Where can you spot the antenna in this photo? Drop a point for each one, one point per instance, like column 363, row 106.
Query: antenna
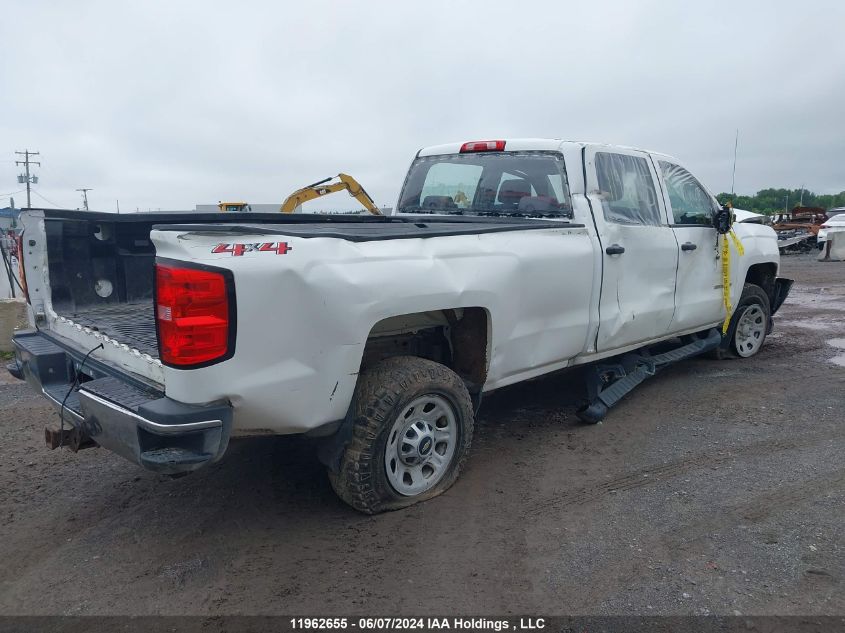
column 733, row 176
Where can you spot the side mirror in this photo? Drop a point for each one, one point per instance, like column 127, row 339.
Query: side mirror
column 723, row 218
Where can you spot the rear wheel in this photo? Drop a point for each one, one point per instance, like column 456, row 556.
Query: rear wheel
column 411, row 432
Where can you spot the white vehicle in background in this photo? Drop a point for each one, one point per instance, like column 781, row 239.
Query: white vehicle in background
column 831, row 236
column 162, row 336
column 741, row 215
column 835, row 217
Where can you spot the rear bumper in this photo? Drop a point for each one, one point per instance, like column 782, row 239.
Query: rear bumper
column 119, row 413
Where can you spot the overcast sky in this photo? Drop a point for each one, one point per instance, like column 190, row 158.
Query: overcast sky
column 169, row 104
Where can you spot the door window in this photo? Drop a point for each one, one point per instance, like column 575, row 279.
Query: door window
column 627, row 189
column 691, row 204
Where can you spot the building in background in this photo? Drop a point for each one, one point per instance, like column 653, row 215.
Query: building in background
column 255, row 208
column 9, row 219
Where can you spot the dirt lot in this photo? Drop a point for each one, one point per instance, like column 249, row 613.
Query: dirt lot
column 715, row 488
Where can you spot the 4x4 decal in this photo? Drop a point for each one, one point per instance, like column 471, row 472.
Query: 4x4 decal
column 280, row 248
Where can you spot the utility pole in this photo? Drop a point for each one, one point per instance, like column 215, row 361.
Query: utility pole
column 801, row 202
column 85, row 196
column 26, row 178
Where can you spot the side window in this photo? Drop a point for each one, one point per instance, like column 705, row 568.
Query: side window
column 627, row 189
column 691, row 204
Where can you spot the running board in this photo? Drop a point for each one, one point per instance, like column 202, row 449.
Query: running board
column 607, row 383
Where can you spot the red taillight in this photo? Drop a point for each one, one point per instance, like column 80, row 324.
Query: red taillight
column 193, row 315
column 483, row 146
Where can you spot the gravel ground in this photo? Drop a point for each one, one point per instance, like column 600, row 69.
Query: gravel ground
column 715, row 488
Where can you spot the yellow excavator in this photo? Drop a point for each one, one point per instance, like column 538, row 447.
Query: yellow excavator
column 233, row 207
column 318, row 189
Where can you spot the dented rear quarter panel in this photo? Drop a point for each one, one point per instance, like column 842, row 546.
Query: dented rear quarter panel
column 304, row 317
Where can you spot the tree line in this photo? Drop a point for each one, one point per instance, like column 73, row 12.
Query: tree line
column 771, row 201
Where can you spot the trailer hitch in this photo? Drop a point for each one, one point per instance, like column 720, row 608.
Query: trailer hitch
column 73, row 438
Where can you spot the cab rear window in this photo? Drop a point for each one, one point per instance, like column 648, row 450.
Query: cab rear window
column 509, row 183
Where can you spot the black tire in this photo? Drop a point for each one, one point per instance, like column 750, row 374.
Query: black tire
column 382, row 394
column 752, row 296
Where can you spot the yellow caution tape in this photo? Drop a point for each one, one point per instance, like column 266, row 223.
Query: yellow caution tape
column 726, row 273
column 737, row 243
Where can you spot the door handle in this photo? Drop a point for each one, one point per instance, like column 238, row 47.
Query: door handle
column 614, row 249
column 688, row 246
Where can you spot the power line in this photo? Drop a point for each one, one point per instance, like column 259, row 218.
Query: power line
column 46, row 199
column 26, row 177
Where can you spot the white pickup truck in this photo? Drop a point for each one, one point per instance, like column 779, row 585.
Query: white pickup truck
column 162, row 336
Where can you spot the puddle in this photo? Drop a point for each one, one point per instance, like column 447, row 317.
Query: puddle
column 808, row 324
column 838, row 343
column 813, row 324
column 821, row 299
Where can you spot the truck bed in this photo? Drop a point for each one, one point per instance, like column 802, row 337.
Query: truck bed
column 132, row 324
column 101, row 264
column 389, row 228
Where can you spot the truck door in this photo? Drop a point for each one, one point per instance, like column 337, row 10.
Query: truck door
column 640, row 254
column 698, row 292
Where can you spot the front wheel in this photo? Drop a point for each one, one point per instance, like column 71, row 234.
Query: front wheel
column 413, row 421
column 749, row 323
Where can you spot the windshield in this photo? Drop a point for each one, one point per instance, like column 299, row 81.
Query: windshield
column 511, row 183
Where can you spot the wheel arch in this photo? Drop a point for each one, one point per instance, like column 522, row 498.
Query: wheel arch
column 763, row 275
column 459, row 338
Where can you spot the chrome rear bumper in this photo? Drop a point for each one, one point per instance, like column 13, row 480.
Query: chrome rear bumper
column 131, row 419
